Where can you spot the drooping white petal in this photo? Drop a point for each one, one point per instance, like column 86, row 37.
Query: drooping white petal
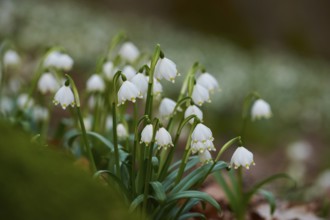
column 146, row 134
column 166, row 107
column 128, row 91
column 47, row 83
column 242, row 157
column 260, row 109
column 193, row 110
column 141, row 82
column 200, row 95
column 205, row 157
column 64, row 96
column 129, row 72
column 202, row 133
column 65, row 62
column 95, row 84
column 166, row 68
column 121, row 131
column 129, row 52
column 108, row 70
column 208, row 81
column 163, row 138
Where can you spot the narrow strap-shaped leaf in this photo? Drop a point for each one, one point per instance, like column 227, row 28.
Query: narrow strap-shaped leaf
column 136, row 202
column 270, row 199
column 193, row 194
column 159, row 191
column 192, row 215
column 99, row 137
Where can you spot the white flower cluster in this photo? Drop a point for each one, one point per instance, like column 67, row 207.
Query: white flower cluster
column 202, row 142
column 205, row 84
column 58, row 60
column 163, row 138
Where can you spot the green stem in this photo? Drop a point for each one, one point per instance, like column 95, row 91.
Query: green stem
column 185, row 84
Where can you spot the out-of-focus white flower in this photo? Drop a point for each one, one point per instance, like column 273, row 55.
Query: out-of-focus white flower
column 91, row 102
column 208, row 81
column 205, row 157
column 200, row 95
column 128, row 91
column 166, row 107
column 323, row 180
column 14, row 85
column 129, row 72
column 146, row 134
column 166, row 68
column 58, row 60
column 11, row 58
column 202, row 139
column 242, row 157
column 64, row 96
column 157, row 88
column 109, row 122
column 193, row 110
column 129, row 52
column 88, row 121
column 23, row 99
column 6, row 105
column 40, row 113
column 108, row 70
column 121, row 131
column 141, row 82
column 47, row 83
column 260, row 109
column 95, row 84
column 299, row 151
column 163, row 138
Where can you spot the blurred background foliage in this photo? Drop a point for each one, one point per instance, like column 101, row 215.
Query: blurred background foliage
column 277, row 48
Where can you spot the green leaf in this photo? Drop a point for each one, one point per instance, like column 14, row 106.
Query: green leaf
column 159, row 191
column 193, row 194
column 192, row 215
column 195, row 176
column 270, row 199
column 136, row 202
column 95, row 135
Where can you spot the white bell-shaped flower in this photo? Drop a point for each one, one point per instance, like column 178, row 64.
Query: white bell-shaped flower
column 58, row 60
column 129, row 72
column 166, row 68
column 157, row 88
column 65, row 62
column 163, row 138
column 193, row 110
column 64, row 96
column 208, row 81
column 202, row 133
column 129, row 52
column 52, row 59
column 146, row 134
column 201, row 146
column 47, row 83
column 88, row 122
column 128, row 91
column 109, row 122
column 166, row 107
column 23, row 100
column 40, row 113
column 260, row 109
column 108, row 70
column 200, row 95
column 11, row 58
column 95, row 83
column 141, row 82
column 121, row 131
column 242, row 157
column 205, row 157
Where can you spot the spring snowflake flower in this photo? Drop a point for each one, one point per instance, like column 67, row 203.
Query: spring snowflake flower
column 163, row 138
column 205, row 157
column 146, row 134
column 208, row 81
column 129, row 72
column 23, row 100
column 47, row 83
column 128, row 91
column 108, row 70
column 11, row 58
column 166, row 107
column 193, row 110
column 260, row 109
column 65, row 97
column 157, row 88
column 166, row 68
column 121, row 131
column 88, row 122
column 40, row 113
column 202, row 139
column 200, row 95
column 141, row 82
column 58, row 60
column 95, row 84
column 129, row 52
column 242, row 157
